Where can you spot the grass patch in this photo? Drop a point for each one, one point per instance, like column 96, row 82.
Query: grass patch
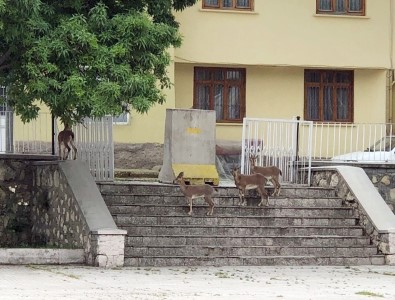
column 222, row 275
column 370, row 294
column 53, row 271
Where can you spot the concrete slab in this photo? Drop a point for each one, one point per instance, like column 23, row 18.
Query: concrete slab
column 33, row 256
column 70, row 282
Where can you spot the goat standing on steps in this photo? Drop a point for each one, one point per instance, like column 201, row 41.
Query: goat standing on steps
column 250, row 182
column 66, row 139
column 196, row 191
column 271, row 173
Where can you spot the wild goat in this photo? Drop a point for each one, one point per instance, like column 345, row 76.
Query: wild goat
column 271, row 173
column 196, row 191
column 249, row 182
column 66, row 138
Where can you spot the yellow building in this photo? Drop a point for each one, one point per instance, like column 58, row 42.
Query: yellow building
column 322, row 60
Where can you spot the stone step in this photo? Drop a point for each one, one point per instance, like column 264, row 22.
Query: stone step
column 302, row 226
column 243, row 230
column 167, row 261
column 209, row 240
column 128, row 220
column 330, row 251
column 199, row 210
column 152, row 188
column 125, row 199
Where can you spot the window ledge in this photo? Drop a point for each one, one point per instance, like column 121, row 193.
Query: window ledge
column 120, row 123
column 340, row 16
column 229, row 124
column 228, row 11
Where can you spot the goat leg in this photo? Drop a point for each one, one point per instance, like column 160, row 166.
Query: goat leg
column 210, row 202
column 264, row 198
column 190, row 206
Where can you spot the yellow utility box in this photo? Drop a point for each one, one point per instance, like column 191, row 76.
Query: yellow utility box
column 197, row 174
column 189, row 146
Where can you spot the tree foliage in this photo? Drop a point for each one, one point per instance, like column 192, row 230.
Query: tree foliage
column 86, row 58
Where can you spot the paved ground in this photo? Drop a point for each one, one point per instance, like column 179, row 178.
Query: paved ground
column 71, row 282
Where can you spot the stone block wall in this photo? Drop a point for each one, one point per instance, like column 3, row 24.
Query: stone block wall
column 383, row 178
column 15, row 202
column 56, row 216
column 37, row 207
column 385, row 242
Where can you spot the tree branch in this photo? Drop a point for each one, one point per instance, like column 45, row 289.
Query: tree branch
column 7, row 66
column 5, row 56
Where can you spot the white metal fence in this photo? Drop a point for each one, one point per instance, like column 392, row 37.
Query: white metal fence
column 364, row 142
column 94, row 141
column 3, row 131
column 293, row 145
column 277, row 143
column 93, row 138
column 17, row 137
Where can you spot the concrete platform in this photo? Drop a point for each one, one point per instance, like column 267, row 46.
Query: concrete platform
column 33, row 256
column 230, row 283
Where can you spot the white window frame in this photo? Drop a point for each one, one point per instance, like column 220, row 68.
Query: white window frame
column 116, row 120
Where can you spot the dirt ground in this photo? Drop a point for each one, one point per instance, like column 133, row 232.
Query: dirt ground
column 150, row 155
column 138, row 156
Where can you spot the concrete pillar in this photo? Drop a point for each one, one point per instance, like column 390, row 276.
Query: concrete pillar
column 107, row 248
column 189, row 146
column 387, row 246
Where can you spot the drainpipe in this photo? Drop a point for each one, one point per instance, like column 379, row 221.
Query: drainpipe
column 390, row 73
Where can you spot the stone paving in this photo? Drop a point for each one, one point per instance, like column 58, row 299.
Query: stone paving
column 80, row 282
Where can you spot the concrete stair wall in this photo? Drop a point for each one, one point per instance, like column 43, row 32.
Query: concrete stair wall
column 303, row 226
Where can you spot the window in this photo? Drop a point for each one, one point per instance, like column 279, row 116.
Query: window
column 341, row 7
column 122, row 119
column 222, row 90
column 328, row 95
column 228, row 4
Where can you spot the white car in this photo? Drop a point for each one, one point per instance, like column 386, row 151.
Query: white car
column 381, row 151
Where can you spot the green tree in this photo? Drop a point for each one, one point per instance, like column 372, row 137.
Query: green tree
column 86, row 58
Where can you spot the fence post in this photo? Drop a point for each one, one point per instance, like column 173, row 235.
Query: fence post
column 53, row 133
column 297, row 137
column 9, row 119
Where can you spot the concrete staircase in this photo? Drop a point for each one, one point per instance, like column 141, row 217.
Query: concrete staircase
column 303, row 226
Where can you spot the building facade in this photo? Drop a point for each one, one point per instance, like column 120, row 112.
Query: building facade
column 322, row 60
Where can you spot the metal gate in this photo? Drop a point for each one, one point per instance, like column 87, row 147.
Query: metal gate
column 93, row 138
column 282, row 143
column 94, row 142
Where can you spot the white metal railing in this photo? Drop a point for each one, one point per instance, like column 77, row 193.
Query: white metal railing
column 3, row 131
column 277, row 142
column 94, row 141
column 18, row 137
column 365, row 142
column 292, row 145
column 93, row 138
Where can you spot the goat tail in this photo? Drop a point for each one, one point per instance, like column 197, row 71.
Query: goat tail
column 216, row 191
column 281, row 173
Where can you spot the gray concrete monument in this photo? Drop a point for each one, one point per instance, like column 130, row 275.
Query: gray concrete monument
column 189, row 146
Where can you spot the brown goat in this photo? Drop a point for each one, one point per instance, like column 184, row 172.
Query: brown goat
column 196, row 191
column 271, row 173
column 249, row 182
column 65, row 140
